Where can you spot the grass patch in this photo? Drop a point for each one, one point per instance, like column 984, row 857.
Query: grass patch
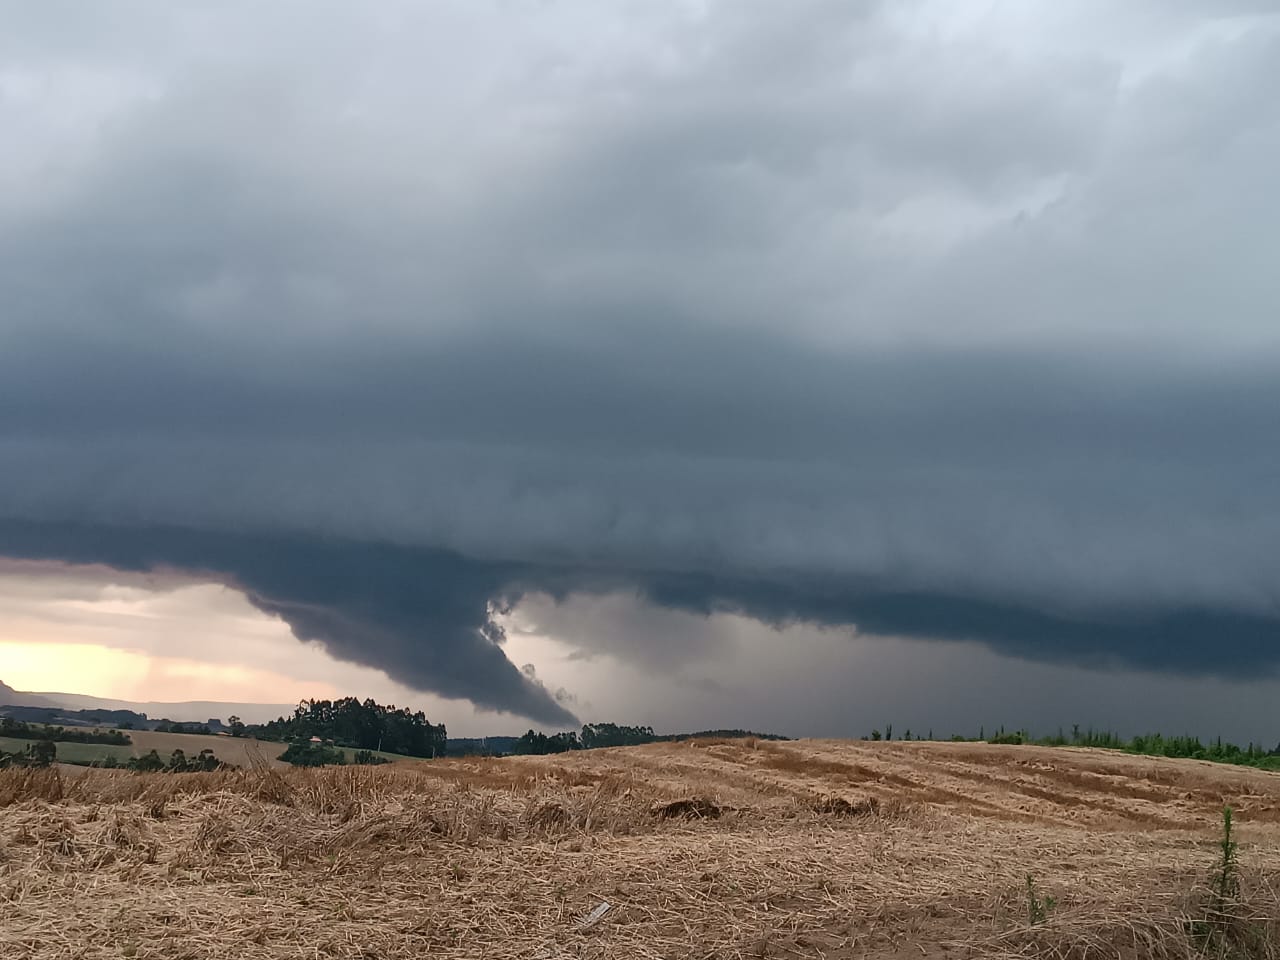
column 1038, row 907
column 78, row 753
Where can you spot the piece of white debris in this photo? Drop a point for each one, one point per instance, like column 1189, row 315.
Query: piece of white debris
column 595, row 916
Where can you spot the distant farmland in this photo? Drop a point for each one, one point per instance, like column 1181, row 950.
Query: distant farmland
column 73, row 752
column 233, row 750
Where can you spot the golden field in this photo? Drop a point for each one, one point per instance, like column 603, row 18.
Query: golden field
column 708, row 849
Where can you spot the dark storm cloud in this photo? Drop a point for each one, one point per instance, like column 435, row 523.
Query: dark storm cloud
column 950, row 328
column 1173, row 640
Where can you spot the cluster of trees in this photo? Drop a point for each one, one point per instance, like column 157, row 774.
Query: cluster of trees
column 364, row 725
column 20, row 730
column 614, row 735
column 481, row 746
column 178, row 762
column 538, row 744
column 42, row 753
column 304, row 754
column 196, row 729
column 307, row 754
column 723, row 734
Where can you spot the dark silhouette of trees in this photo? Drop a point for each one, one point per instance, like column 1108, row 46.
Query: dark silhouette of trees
column 179, row 762
column 304, row 754
column 539, row 744
column 149, row 762
column 39, row 754
column 614, row 735
column 20, row 730
column 364, row 725
column 196, row 729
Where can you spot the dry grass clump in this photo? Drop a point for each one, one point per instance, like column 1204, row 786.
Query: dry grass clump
column 30, row 783
column 701, row 851
column 1148, row 922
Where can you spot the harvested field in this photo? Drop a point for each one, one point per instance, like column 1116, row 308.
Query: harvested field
column 703, row 850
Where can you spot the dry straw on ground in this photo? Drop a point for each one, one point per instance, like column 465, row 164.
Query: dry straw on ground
column 709, row 850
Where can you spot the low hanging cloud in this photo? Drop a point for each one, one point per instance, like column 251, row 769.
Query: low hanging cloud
column 422, row 615
column 928, row 324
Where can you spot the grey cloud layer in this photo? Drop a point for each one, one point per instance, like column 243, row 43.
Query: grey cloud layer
column 942, row 326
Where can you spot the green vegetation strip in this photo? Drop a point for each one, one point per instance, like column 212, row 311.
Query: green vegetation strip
column 79, row 753
column 1146, row 745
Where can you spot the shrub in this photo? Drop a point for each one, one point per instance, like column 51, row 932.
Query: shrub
column 1225, row 880
column 312, row 755
column 149, row 762
column 1038, row 907
column 39, row 754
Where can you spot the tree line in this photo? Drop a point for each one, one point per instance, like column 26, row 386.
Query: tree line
column 322, row 755
column 1149, row 744
column 178, row 762
column 194, row 729
column 20, row 730
column 596, row 735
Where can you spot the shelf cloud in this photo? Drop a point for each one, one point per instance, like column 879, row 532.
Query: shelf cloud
column 933, row 323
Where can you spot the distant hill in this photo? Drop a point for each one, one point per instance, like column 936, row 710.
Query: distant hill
column 16, row 698
column 189, row 711
column 66, row 717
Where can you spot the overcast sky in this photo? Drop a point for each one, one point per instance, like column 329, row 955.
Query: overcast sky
column 780, row 354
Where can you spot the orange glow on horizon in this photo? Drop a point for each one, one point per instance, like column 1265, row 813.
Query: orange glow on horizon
column 93, row 632
column 72, row 668
column 116, row 674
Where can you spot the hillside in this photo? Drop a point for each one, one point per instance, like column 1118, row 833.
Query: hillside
column 17, row 698
column 186, row 711
column 706, row 849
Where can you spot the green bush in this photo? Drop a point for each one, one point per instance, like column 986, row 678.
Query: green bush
column 306, row 754
column 147, row 763
column 39, row 754
column 178, row 762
